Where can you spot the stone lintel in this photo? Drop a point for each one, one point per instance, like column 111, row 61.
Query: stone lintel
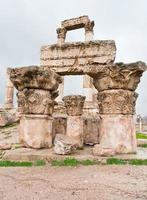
column 78, row 55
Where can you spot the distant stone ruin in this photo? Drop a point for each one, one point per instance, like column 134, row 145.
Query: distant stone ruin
column 104, row 117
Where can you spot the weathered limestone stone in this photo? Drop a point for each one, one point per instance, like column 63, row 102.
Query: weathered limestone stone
column 35, row 131
column 74, row 104
column 78, row 57
column 116, row 84
column 99, row 151
column 74, row 107
column 5, row 146
column 37, row 90
column 75, row 23
column 118, row 133
column 9, row 93
column 75, row 129
column 8, row 117
column 35, row 101
column 91, row 130
column 117, row 101
column 64, row 145
column 34, row 77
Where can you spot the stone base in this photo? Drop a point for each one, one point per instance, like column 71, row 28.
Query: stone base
column 118, row 132
column 75, row 129
column 36, row 131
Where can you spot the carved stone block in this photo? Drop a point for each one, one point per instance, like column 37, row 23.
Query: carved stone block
column 74, row 104
column 34, row 77
column 117, row 102
column 119, row 76
column 35, row 101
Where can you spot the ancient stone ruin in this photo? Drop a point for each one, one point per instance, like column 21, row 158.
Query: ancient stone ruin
column 104, row 117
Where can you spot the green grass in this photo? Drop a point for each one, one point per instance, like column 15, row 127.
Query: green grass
column 39, row 163
column 115, row 161
column 141, row 136
column 137, row 162
column 7, row 163
column 72, row 162
column 143, row 145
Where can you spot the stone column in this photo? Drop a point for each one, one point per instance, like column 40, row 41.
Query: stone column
column 37, row 90
column 116, row 85
column 61, row 35
column 9, row 93
column 74, row 107
column 89, row 31
column 61, row 91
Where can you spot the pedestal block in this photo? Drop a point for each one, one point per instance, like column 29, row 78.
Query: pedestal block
column 36, row 131
column 118, row 132
column 74, row 129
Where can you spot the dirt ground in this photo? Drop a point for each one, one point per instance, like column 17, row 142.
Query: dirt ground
column 74, row 183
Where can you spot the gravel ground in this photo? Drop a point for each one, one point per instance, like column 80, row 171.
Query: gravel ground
column 75, row 183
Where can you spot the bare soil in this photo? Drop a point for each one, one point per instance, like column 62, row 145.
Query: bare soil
column 74, row 183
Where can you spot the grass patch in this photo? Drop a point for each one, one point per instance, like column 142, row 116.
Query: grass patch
column 143, row 145
column 141, row 136
column 115, row 161
column 39, row 163
column 137, row 162
column 72, row 162
column 7, row 163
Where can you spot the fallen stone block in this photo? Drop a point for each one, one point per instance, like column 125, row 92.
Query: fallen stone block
column 5, row 146
column 64, row 145
column 101, row 151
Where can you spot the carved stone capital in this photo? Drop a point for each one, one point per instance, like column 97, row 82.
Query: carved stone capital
column 34, row 77
column 117, row 102
column 74, row 104
column 35, row 101
column 119, row 76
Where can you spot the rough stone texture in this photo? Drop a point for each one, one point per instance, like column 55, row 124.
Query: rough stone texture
column 34, row 77
column 37, row 90
column 5, row 146
column 64, row 145
column 74, row 129
column 59, row 126
column 118, row 132
column 74, row 104
column 91, row 130
column 118, row 76
column 35, row 131
column 8, row 117
column 99, row 151
column 116, row 84
column 72, row 58
column 117, row 101
column 9, row 93
column 35, row 101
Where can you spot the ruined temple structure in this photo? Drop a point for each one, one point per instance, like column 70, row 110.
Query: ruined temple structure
column 104, row 117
